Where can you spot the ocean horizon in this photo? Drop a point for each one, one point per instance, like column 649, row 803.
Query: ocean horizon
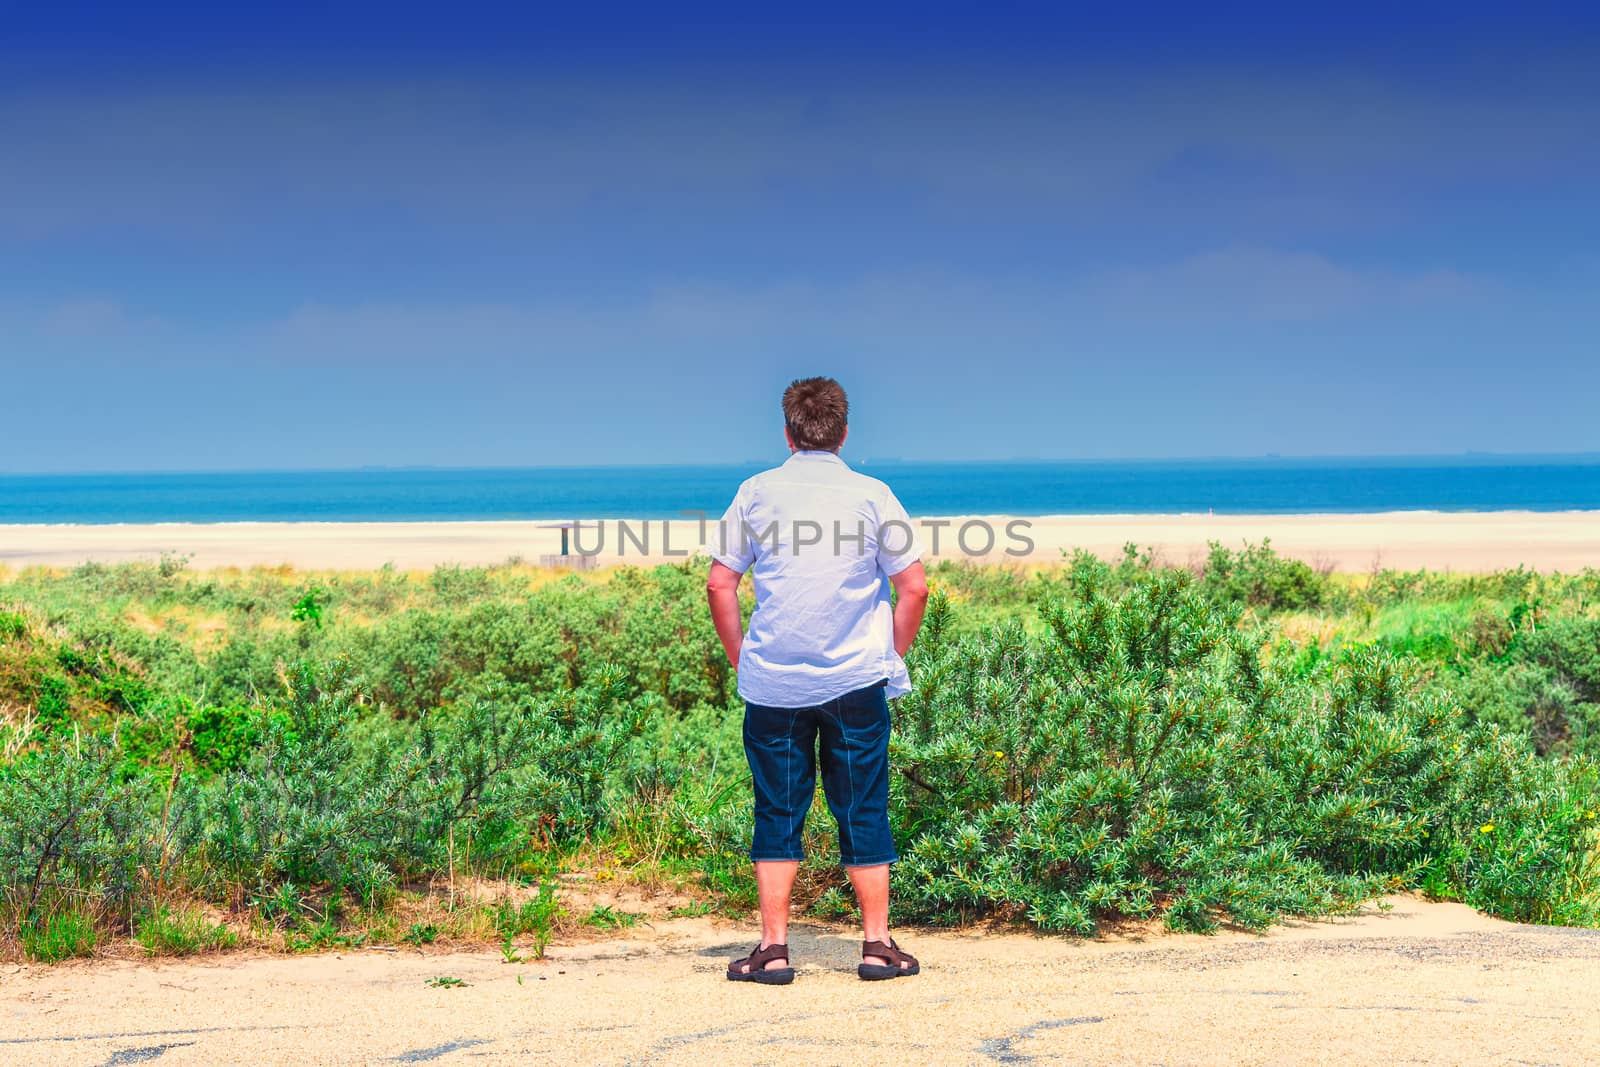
column 1021, row 487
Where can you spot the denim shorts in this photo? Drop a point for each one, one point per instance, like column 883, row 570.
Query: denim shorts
column 782, row 747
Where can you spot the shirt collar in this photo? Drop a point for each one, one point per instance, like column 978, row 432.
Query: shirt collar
column 808, row 455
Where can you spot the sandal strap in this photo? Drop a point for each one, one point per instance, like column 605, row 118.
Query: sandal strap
column 760, row 957
column 890, row 952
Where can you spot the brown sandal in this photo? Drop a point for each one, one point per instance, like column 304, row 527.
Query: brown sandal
column 756, row 970
column 899, row 962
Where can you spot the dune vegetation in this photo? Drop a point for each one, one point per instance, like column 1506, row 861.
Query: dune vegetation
column 191, row 761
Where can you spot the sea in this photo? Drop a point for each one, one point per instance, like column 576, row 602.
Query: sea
column 1222, row 486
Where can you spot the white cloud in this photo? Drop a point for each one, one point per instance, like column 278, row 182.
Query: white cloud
column 930, row 320
column 86, row 317
column 1273, row 285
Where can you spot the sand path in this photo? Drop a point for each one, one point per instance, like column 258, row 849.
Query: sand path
column 1424, row 983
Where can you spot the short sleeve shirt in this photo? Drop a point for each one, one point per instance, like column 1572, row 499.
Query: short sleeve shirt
column 821, row 542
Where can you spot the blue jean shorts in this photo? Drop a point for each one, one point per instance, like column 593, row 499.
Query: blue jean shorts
column 782, row 745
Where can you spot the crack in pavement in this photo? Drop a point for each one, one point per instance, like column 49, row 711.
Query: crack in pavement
column 1002, row 1050
column 143, row 1054
column 677, row 1041
column 1208, row 992
column 422, row 1055
column 70, row 1038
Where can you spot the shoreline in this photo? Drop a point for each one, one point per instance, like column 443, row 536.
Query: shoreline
column 1063, row 516
column 1469, row 541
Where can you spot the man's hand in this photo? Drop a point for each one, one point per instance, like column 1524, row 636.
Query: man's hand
column 722, row 590
column 911, row 600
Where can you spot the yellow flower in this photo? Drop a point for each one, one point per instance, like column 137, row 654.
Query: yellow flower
column 999, row 755
column 1486, row 828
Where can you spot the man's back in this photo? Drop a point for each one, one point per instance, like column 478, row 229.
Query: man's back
column 817, row 666
column 821, row 542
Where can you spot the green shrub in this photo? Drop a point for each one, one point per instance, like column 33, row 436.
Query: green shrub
column 70, row 824
column 309, row 608
column 1525, row 837
column 58, row 936
column 165, row 931
column 1144, row 760
column 12, row 626
column 1571, row 648
column 534, row 918
column 421, row 934
column 606, row 917
column 332, row 798
column 1253, row 740
column 52, row 696
column 1259, row 577
column 1531, row 700
column 221, row 737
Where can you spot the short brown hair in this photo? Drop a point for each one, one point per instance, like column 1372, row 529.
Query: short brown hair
column 816, row 410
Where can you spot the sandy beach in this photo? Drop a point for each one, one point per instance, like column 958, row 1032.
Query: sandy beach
column 1455, row 541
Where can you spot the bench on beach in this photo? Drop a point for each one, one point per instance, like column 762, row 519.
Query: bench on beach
column 566, row 558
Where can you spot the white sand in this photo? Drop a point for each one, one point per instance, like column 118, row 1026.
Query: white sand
column 1458, row 541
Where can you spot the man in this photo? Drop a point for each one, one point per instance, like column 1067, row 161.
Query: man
column 823, row 655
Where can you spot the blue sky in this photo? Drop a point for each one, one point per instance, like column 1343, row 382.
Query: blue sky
column 337, row 235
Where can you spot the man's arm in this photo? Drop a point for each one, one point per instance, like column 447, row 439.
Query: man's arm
column 911, row 600
column 722, row 589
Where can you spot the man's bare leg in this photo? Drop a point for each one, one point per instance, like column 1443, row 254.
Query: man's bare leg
column 774, row 883
column 872, row 894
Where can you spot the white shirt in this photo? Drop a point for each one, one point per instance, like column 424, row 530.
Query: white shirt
column 821, row 542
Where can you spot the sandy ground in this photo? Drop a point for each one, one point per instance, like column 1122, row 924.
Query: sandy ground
column 1470, row 541
column 1423, row 983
